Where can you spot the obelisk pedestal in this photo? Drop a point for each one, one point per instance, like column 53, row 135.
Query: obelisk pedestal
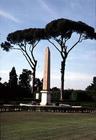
column 45, row 93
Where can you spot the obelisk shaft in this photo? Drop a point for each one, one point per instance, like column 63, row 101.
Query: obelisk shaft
column 45, row 93
column 46, row 74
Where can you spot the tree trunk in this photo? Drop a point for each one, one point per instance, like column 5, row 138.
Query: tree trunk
column 33, row 78
column 62, row 78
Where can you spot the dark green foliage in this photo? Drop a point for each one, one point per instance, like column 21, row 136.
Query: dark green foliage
column 18, row 93
column 6, row 46
column 25, row 78
column 92, row 87
column 67, row 94
column 12, row 91
column 70, row 96
column 55, row 95
column 38, row 85
column 66, row 27
column 13, row 78
column 30, row 35
column 81, row 96
column 76, row 96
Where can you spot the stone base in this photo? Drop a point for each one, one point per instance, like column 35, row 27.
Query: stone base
column 45, row 98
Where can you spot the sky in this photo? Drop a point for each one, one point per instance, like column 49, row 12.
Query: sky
column 23, row 14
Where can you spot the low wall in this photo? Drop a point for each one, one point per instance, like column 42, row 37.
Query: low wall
column 35, row 108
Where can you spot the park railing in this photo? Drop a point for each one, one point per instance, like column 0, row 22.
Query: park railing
column 37, row 108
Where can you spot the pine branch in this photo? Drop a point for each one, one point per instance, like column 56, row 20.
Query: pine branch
column 54, row 45
column 26, row 54
column 79, row 40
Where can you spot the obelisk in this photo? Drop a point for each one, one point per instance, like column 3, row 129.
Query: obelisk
column 45, row 93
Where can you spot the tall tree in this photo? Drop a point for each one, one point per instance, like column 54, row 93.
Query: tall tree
column 25, row 41
column 25, row 78
column 92, row 86
column 59, row 32
column 13, row 78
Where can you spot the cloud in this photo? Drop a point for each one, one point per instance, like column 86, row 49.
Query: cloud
column 89, row 56
column 48, row 9
column 9, row 16
column 73, row 80
column 74, row 76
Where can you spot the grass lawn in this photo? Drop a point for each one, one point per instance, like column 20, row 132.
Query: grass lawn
column 47, row 126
